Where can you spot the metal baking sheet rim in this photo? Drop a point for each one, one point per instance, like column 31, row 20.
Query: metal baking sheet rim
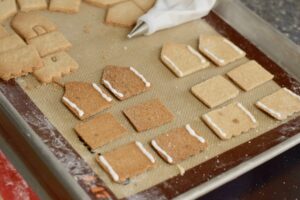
column 224, row 9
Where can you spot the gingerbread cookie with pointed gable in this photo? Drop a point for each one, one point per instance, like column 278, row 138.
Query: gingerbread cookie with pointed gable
column 124, row 82
column 85, row 99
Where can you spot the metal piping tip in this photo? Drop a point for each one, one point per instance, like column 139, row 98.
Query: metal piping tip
column 140, row 29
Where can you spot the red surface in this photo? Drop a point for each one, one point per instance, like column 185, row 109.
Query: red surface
column 12, row 184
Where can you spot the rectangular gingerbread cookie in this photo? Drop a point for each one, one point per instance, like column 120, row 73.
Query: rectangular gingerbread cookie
column 126, row 162
column 9, row 42
column 66, row 6
column 18, row 62
column 7, row 9
column 179, row 144
column 50, row 43
column 30, row 5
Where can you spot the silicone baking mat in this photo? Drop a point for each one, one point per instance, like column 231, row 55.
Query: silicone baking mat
column 96, row 45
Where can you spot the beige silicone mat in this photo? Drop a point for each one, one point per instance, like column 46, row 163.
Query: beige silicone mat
column 96, row 45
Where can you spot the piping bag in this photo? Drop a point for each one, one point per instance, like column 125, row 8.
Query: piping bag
column 170, row 13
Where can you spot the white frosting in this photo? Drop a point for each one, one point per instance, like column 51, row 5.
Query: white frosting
column 173, row 65
column 96, row 87
column 160, row 150
column 218, row 129
column 214, row 56
column 194, row 134
column 181, row 169
column 269, row 110
column 247, row 113
column 140, row 76
column 111, row 171
column 196, row 53
column 113, row 90
column 234, row 46
column 292, row 93
column 147, row 154
column 73, row 105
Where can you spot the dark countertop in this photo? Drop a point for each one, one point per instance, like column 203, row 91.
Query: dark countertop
column 282, row 14
column 278, row 178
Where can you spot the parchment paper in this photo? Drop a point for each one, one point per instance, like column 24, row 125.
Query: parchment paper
column 96, row 45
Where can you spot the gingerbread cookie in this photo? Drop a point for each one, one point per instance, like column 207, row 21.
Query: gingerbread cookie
column 31, row 25
column 85, row 99
column 219, row 49
column 56, row 66
column 250, row 75
column 148, row 115
column 66, row 6
column 182, row 59
column 103, row 3
column 10, row 42
column 231, row 120
column 124, row 14
column 215, row 91
column 18, row 62
column 281, row 104
column 3, row 32
column 179, row 144
column 100, row 130
column 124, row 82
column 126, row 162
column 50, row 43
column 145, row 4
column 29, row 5
column 7, row 9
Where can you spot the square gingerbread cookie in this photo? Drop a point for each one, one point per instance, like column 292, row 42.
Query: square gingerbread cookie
column 66, row 6
column 179, row 144
column 215, row 91
column 281, row 104
column 126, row 162
column 30, row 5
column 250, row 75
column 182, row 59
column 231, row 120
column 219, row 49
column 148, row 115
column 100, row 130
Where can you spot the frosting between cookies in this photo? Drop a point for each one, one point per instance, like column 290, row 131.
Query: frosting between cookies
column 96, row 87
column 214, row 56
column 194, row 134
column 269, row 110
column 140, row 76
column 73, row 105
column 164, row 153
column 111, row 171
column 173, row 65
column 113, row 90
column 215, row 126
column 147, row 154
column 193, row 51
column 247, row 113
column 233, row 46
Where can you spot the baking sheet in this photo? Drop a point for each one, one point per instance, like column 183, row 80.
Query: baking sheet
column 96, row 45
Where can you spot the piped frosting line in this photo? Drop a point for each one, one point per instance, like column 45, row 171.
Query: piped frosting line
column 111, row 171
column 96, row 87
column 292, row 93
column 194, row 134
column 113, row 90
column 214, row 56
column 173, row 65
column 73, row 105
column 148, row 84
column 269, row 110
column 212, row 123
column 233, row 46
column 247, row 113
column 194, row 52
column 145, row 152
column 163, row 152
